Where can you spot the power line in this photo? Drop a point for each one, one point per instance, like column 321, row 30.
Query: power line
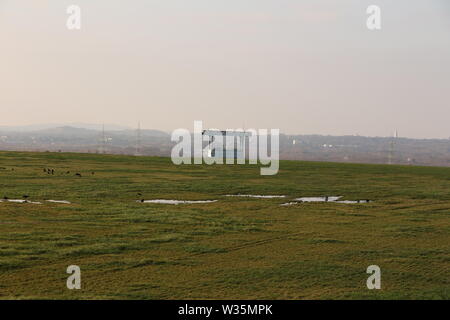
column 138, row 140
column 392, row 147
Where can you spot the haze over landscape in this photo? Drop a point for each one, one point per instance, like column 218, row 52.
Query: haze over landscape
column 309, row 67
column 115, row 139
column 101, row 198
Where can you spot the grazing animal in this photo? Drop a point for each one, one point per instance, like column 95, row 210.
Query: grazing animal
column 78, row 174
column 326, row 198
column 92, row 172
column 67, row 172
column 142, row 200
column 5, row 198
column 45, row 170
column 139, row 194
column 53, row 171
column 25, row 196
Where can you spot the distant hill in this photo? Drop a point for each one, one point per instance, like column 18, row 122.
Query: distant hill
column 77, row 130
column 91, row 126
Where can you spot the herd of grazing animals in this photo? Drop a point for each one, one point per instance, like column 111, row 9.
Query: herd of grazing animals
column 46, row 170
column 52, row 172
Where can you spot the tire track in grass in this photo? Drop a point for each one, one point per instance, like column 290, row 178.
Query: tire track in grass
column 230, row 249
column 248, row 244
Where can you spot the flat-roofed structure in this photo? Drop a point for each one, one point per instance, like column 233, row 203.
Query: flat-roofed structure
column 233, row 143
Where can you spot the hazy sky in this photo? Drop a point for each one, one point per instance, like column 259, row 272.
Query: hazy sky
column 301, row 66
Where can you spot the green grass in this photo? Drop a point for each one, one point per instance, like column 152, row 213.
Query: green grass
column 236, row 248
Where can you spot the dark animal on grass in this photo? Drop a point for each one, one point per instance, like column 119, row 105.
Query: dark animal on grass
column 78, row 174
column 25, row 196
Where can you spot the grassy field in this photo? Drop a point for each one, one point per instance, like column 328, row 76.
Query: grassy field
column 236, row 248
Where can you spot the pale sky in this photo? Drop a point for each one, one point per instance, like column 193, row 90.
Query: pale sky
column 304, row 67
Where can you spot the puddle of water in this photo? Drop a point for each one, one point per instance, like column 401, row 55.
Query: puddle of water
column 253, row 196
column 33, row 202
column 20, row 201
column 58, row 201
column 288, row 204
column 353, row 201
column 175, row 202
column 318, row 199
column 334, row 199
